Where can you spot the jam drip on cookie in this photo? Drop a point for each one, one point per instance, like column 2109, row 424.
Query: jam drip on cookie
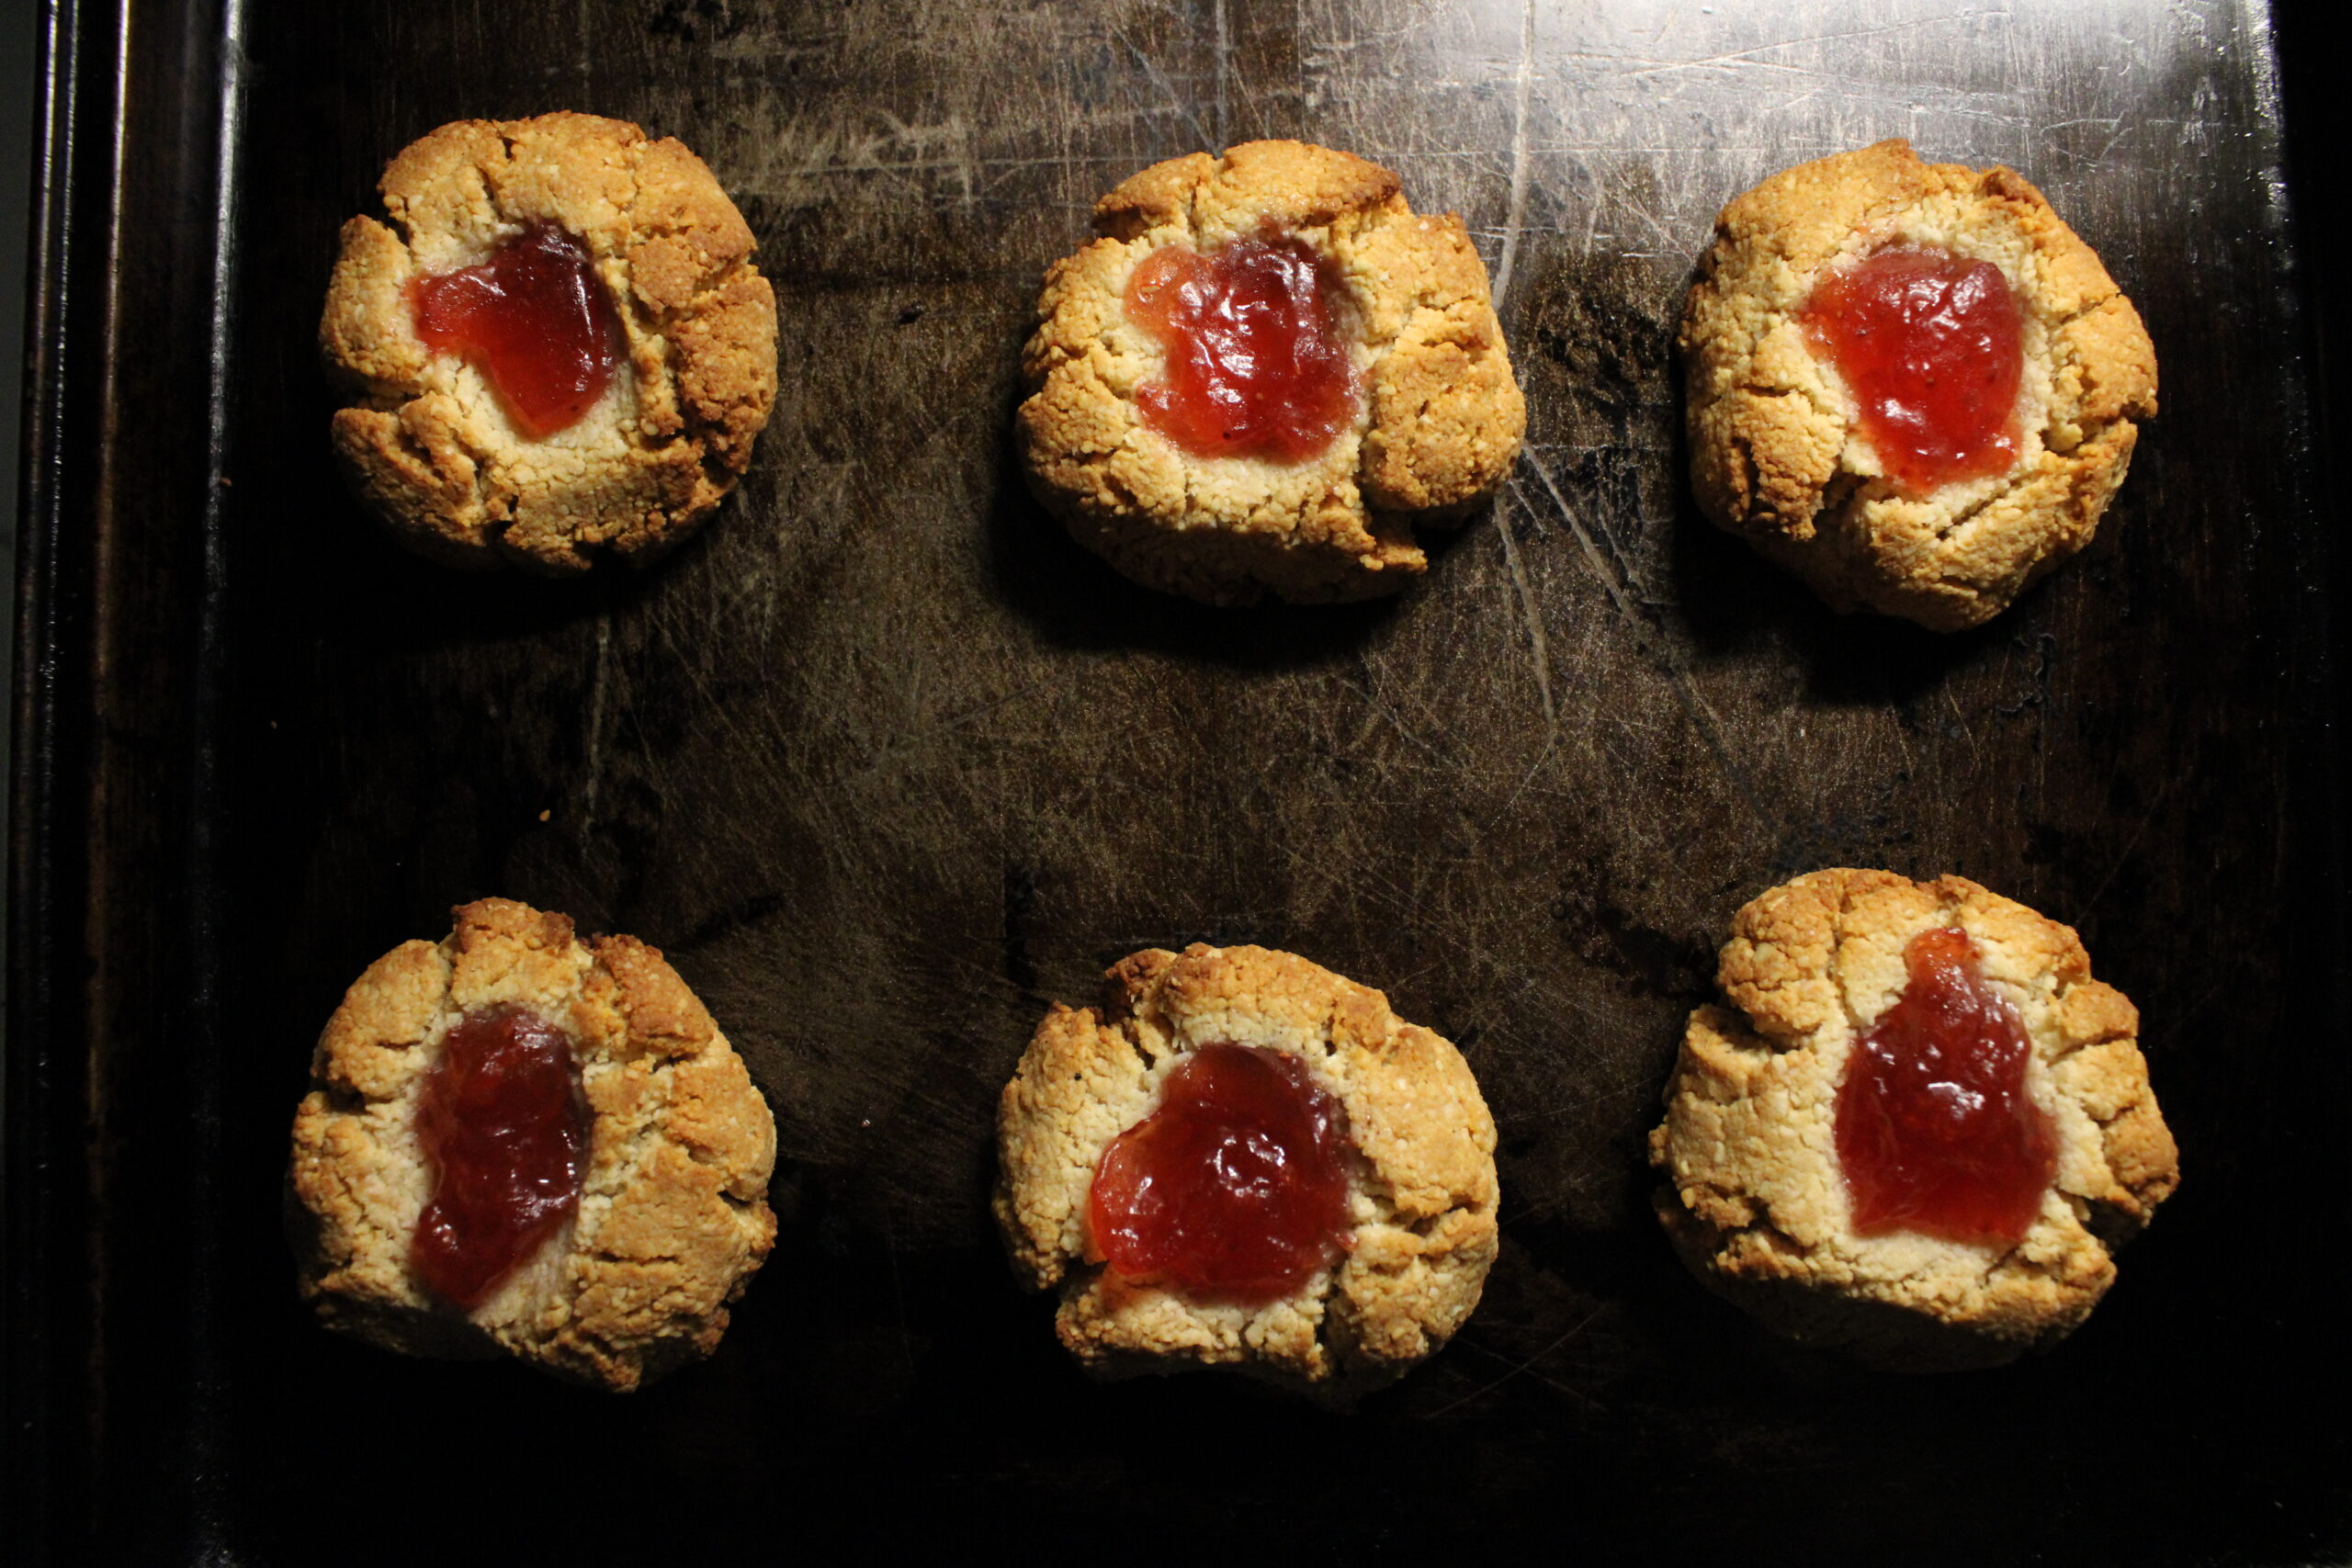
column 1255, row 364
column 1935, row 1130
column 535, row 318
column 504, row 1132
column 1236, row 1189
column 1930, row 344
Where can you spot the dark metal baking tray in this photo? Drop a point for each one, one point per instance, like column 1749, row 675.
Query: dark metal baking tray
column 885, row 763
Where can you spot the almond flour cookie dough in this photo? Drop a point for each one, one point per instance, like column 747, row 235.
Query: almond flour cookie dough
column 1777, row 453
column 671, row 1216
column 1435, row 423
column 428, row 443
column 1754, row 1194
column 1421, row 1188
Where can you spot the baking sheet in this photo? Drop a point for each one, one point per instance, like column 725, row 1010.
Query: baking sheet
column 884, row 764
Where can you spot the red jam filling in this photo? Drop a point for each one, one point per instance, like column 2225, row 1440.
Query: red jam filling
column 1255, row 364
column 1929, row 343
column 505, row 1133
column 1236, row 1189
column 1935, row 1129
column 535, row 318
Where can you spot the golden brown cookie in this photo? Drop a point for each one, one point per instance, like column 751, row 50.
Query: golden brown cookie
column 1420, row 1188
column 1756, row 1197
column 430, row 447
column 1437, row 420
column 1777, row 454
column 671, row 1216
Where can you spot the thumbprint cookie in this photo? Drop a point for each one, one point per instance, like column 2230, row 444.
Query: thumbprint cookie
column 1909, row 383
column 1263, row 375
column 517, row 1142
column 556, row 345
column 1914, row 1129
column 1243, row 1159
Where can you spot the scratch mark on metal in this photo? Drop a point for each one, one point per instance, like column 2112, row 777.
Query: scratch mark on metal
column 1960, row 716
column 1615, row 578
column 2132, row 846
column 1525, row 779
column 1480, row 1392
column 1515, row 216
column 1182, row 104
column 596, row 719
column 1379, row 700
column 910, row 740
column 1747, row 56
column 1224, row 73
column 1536, row 647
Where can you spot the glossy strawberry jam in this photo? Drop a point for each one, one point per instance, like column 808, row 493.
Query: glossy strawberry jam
column 1935, row 1129
column 505, row 1133
column 535, row 318
column 1236, row 1189
column 1256, row 368
column 1931, row 345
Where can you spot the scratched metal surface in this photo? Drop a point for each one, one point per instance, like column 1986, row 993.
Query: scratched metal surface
column 884, row 764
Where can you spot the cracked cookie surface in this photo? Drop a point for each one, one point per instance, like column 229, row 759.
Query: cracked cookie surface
column 425, row 442
column 1752, row 1193
column 1439, row 417
column 1777, row 455
column 672, row 1217
column 1422, row 1196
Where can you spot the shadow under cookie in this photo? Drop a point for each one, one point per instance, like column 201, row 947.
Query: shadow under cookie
column 1075, row 600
